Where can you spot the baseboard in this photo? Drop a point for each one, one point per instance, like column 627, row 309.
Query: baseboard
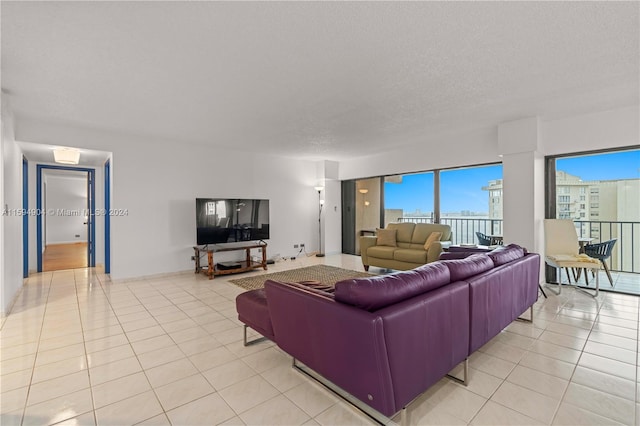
column 64, row 243
column 152, row 276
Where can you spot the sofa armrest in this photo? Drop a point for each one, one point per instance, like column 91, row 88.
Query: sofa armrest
column 366, row 242
column 344, row 344
column 434, row 251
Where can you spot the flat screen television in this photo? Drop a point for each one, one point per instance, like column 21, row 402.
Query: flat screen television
column 230, row 220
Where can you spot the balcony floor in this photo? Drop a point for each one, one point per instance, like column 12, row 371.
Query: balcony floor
column 623, row 282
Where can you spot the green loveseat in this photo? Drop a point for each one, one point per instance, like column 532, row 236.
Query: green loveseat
column 409, row 250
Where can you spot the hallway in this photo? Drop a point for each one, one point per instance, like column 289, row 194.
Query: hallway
column 57, row 257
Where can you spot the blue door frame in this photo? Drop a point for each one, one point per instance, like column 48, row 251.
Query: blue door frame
column 25, row 218
column 107, row 217
column 92, row 211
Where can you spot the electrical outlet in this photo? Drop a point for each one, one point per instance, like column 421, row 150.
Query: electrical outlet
column 302, row 245
column 295, row 246
column 193, row 258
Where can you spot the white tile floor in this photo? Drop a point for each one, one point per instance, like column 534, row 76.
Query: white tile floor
column 79, row 349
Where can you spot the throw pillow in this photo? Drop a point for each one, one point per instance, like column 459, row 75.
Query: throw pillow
column 433, row 237
column 386, row 237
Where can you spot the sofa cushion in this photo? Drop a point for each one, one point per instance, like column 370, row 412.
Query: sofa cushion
column 384, row 290
column 410, row 255
column 386, row 237
column 433, row 237
column 472, row 265
column 502, row 255
column 381, row 252
column 404, row 231
column 423, row 230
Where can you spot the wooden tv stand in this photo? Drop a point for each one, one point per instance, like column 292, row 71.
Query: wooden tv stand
column 248, row 264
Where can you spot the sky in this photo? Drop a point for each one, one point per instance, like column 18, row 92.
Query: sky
column 461, row 189
column 614, row 165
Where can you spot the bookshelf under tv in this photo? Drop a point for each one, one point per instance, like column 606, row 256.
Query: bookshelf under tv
column 224, row 268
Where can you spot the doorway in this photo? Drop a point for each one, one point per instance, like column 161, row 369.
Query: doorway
column 65, row 217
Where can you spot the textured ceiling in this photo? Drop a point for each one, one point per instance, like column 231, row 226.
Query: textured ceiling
column 315, row 80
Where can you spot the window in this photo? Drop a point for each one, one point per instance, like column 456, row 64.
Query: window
column 603, row 199
column 471, row 201
column 211, row 208
column 563, row 190
column 408, row 198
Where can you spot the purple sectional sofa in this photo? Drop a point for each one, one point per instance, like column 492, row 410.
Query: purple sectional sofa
column 387, row 339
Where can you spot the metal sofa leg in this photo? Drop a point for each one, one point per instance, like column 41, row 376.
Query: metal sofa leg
column 465, row 374
column 530, row 319
column 244, row 339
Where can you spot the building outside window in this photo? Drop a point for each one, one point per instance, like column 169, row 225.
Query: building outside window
column 612, row 182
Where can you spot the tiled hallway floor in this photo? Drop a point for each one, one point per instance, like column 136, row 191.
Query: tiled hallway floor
column 79, row 349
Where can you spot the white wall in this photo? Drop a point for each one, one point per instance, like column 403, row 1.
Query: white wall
column 470, row 148
column 67, row 194
column 602, row 130
column 10, row 198
column 156, row 183
column 333, row 217
column 589, row 132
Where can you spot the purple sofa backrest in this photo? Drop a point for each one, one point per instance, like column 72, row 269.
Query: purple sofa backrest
column 499, row 296
column 507, row 254
column 475, row 264
column 384, row 290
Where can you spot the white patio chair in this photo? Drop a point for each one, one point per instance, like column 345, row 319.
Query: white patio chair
column 562, row 251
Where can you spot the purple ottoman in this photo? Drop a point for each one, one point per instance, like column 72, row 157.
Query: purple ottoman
column 253, row 311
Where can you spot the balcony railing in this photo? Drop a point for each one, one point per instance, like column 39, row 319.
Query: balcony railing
column 624, row 258
column 463, row 229
column 626, row 252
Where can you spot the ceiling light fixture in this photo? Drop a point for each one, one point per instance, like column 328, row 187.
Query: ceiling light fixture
column 66, row 155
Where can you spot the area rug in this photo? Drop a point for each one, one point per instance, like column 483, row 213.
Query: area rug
column 328, row 275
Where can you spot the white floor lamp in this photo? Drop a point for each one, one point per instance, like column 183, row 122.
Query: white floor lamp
column 320, row 204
